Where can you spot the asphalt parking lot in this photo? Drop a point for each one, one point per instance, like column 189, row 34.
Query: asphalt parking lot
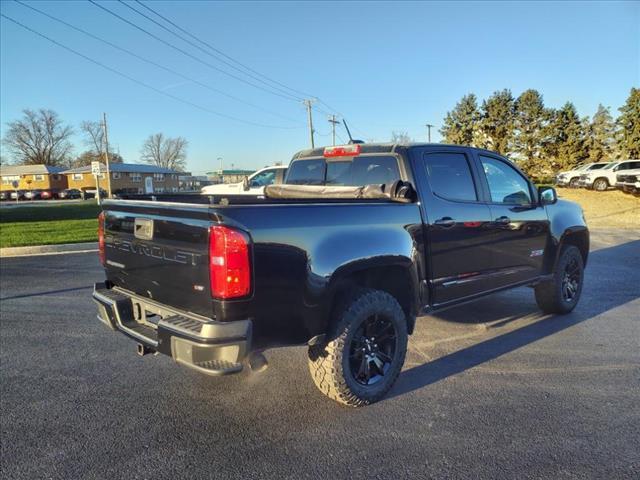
column 493, row 389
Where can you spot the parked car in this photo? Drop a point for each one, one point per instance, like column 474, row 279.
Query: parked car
column 70, row 193
column 33, row 194
column 253, row 185
column 5, row 195
column 90, row 192
column 629, row 181
column 358, row 241
column 18, row 194
column 50, row 193
column 605, row 177
column 571, row 178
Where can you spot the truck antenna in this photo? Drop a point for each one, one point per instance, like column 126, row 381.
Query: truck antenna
column 351, row 140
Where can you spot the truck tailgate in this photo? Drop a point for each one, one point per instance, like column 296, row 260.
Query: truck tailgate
column 160, row 252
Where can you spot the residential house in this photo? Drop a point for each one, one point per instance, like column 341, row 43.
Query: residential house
column 32, row 177
column 126, row 178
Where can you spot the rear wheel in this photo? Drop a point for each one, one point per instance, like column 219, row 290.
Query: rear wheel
column 562, row 293
column 601, row 184
column 363, row 359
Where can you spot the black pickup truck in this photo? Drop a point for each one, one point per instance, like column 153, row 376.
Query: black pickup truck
column 359, row 241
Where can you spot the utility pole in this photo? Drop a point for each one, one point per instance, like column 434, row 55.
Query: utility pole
column 308, row 104
column 221, row 170
column 106, row 153
column 333, row 122
column 428, row 125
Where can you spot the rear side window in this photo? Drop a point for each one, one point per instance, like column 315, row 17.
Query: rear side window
column 364, row 170
column 450, row 176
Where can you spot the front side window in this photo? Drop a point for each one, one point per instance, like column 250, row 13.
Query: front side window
column 597, row 166
column 450, row 176
column 506, row 185
column 264, row 178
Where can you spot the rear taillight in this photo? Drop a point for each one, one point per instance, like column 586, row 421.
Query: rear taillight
column 101, row 238
column 229, row 269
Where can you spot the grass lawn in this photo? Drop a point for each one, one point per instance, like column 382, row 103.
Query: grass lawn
column 48, row 225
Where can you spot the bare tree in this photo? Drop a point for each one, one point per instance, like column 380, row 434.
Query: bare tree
column 165, row 152
column 93, row 133
column 39, row 138
column 93, row 136
column 400, row 137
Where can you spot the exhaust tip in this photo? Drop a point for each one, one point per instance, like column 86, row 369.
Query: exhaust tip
column 258, row 362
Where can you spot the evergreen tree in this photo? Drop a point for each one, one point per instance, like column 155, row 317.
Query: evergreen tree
column 629, row 126
column 495, row 128
column 461, row 122
column 600, row 136
column 531, row 120
column 566, row 146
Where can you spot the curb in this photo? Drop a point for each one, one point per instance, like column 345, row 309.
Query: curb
column 49, row 249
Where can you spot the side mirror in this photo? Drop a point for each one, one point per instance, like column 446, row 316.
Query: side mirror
column 245, row 183
column 547, row 195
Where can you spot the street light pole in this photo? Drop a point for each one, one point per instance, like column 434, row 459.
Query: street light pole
column 428, row 125
column 221, row 170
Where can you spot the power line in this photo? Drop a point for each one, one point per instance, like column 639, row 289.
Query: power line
column 206, row 52
column 155, row 64
column 184, row 52
column 134, row 80
column 220, row 52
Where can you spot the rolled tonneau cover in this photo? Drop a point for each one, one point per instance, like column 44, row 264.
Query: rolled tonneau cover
column 399, row 191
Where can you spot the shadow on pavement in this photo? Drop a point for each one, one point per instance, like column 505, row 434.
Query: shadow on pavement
column 51, row 292
column 457, row 362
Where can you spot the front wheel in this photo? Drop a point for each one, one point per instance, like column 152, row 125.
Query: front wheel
column 363, row 359
column 600, row 185
column 574, row 182
column 561, row 294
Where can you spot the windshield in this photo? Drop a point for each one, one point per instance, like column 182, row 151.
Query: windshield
column 365, row 170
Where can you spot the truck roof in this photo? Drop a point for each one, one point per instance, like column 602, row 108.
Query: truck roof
column 386, row 148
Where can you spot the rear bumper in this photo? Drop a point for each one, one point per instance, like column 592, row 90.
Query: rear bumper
column 210, row 347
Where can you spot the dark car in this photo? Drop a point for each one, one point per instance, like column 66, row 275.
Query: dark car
column 90, row 192
column 33, row 194
column 359, row 241
column 70, row 193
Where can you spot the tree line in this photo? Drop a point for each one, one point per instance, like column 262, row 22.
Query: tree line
column 544, row 140
column 41, row 137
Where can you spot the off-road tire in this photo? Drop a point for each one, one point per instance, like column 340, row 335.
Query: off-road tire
column 329, row 363
column 549, row 294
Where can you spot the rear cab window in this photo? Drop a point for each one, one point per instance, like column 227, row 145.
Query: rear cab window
column 361, row 170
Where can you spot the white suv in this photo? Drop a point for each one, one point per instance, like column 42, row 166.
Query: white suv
column 254, row 184
column 629, row 181
column 604, row 178
column 572, row 177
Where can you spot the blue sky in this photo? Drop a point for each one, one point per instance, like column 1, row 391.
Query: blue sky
column 384, row 65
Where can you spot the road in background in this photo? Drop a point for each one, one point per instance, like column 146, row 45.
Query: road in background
column 491, row 389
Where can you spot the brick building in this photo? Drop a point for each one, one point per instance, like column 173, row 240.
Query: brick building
column 32, row 177
column 126, row 178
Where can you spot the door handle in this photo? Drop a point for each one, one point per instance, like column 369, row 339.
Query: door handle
column 503, row 220
column 447, row 222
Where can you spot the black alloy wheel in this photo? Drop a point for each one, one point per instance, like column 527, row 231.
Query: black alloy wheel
column 372, row 349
